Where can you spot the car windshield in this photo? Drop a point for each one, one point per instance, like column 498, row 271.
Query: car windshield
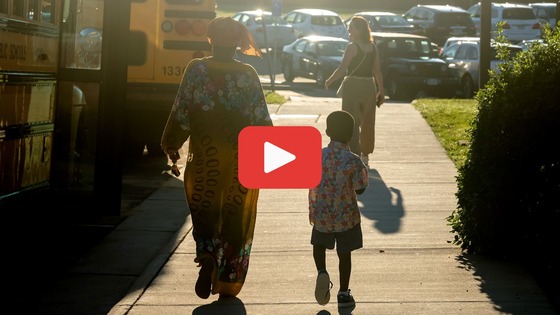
column 391, row 20
column 453, row 19
column 268, row 20
column 518, row 14
column 326, row 20
column 333, row 49
column 411, row 48
column 551, row 11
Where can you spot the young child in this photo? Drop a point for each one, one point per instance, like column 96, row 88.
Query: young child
column 333, row 208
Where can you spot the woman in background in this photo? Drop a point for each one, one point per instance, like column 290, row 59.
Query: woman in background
column 363, row 90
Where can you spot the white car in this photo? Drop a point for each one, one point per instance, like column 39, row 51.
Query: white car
column 528, row 43
column 463, row 59
column 275, row 33
column 520, row 21
column 454, row 40
column 316, row 22
column 545, row 12
column 386, row 22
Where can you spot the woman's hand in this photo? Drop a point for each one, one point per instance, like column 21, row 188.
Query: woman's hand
column 327, row 83
column 380, row 99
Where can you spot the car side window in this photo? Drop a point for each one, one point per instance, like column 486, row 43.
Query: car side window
column 450, row 52
column 311, row 48
column 317, row 20
column 326, row 49
column 472, row 53
column 289, row 18
column 410, row 15
column 300, row 18
column 245, row 20
column 422, row 15
column 541, row 14
column 410, row 45
column 474, row 11
column 425, row 47
column 430, row 15
column 300, row 46
column 461, row 53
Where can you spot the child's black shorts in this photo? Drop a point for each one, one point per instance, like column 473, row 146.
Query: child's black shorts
column 346, row 241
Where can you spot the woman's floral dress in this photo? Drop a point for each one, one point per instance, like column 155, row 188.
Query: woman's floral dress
column 215, row 101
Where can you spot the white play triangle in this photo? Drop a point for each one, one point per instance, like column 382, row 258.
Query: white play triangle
column 275, row 157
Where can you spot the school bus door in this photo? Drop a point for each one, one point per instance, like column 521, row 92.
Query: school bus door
column 87, row 163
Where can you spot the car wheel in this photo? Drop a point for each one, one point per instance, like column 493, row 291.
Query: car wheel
column 394, row 90
column 288, row 72
column 467, row 87
column 321, row 77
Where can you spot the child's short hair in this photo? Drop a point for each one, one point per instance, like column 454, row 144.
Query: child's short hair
column 340, row 125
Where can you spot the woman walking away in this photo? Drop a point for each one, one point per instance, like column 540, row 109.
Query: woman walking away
column 218, row 97
column 364, row 87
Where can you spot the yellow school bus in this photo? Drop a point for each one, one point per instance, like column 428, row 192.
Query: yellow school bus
column 164, row 36
column 29, row 54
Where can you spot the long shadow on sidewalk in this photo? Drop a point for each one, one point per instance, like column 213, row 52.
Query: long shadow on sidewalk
column 382, row 204
column 222, row 306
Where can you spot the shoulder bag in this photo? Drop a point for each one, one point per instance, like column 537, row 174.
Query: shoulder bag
column 341, row 87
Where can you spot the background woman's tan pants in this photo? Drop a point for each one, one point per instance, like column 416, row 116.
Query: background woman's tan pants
column 359, row 99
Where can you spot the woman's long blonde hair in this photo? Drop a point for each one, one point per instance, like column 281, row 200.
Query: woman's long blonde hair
column 362, row 25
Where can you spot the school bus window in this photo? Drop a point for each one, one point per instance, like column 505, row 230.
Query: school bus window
column 32, row 10
column 4, row 6
column 137, row 47
column 46, row 10
column 17, row 8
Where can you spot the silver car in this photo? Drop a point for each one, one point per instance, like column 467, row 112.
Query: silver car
column 316, row 22
column 545, row 12
column 519, row 21
column 386, row 22
column 463, row 59
column 313, row 57
column 269, row 31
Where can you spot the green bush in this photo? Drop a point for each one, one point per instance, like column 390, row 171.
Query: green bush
column 509, row 187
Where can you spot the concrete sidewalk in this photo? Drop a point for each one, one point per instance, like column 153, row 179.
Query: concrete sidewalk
column 407, row 266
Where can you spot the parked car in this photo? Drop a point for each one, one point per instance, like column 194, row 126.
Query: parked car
column 316, row 22
column 386, row 22
column 527, row 43
column 545, row 12
column 519, row 21
column 278, row 31
column 409, row 64
column 439, row 22
column 313, row 57
column 453, row 40
column 463, row 59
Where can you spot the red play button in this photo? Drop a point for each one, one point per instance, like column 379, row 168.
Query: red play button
column 280, row 157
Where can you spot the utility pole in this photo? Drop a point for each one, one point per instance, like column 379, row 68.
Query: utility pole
column 485, row 37
column 557, row 13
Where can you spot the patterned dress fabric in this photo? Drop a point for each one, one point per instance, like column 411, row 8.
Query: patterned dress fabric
column 215, row 101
